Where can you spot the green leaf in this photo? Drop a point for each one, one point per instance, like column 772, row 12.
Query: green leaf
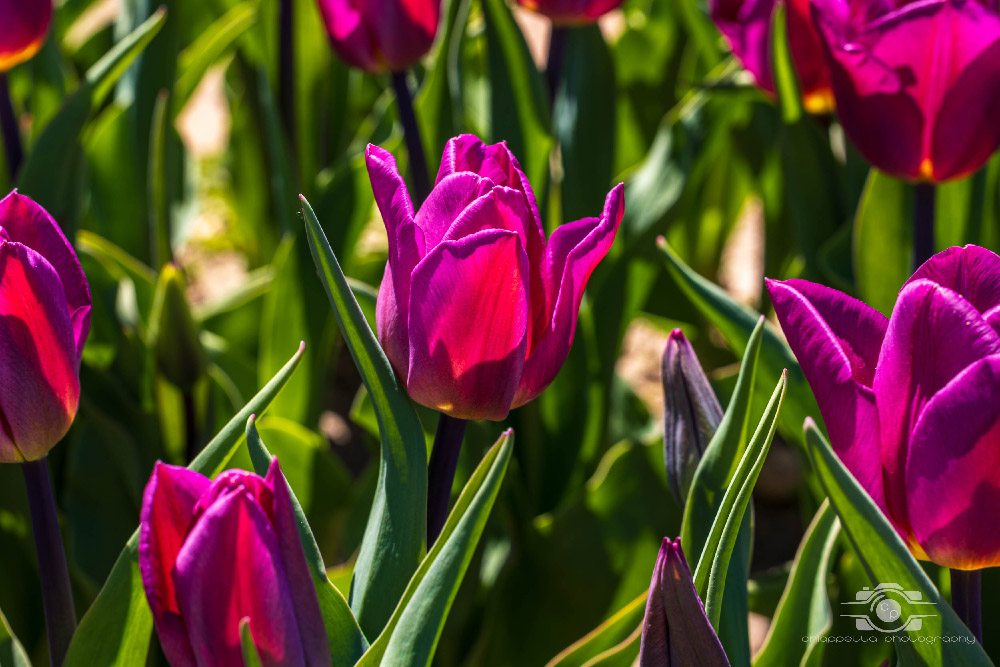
column 519, row 109
column 347, row 643
column 11, row 651
column 117, row 627
column 886, row 559
column 209, row 47
column 172, row 334
column 609, row 635
column 883, row 240
column 786, row 82
column 412, row 634
column 439, row 103
column 714, row 474
column 158, row 185
column 713, row 565
column 250, row 656
column 393, row 541
column 47, row 173
column 736, row 324
column 804, row 608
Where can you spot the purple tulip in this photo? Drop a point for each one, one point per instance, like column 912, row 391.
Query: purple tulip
column 676, row 630
column 910, row 402
column 380, row 35
column 212, row 553
column 916, row 84
column 23, row 27
column 571, row 12
column 476, row 311
column 44, row 321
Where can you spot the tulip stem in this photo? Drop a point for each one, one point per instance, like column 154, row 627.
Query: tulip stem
column 286, row 67
column 923, row 223
column 57, row 596
column 555, row 62
column 414, row 143
column 191, row 445
column 966, row 599
column 11, row 132
column 441, row 472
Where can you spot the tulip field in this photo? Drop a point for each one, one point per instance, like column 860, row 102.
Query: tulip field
column 499, row 333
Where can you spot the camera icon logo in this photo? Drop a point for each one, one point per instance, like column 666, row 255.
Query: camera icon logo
column 888, row 608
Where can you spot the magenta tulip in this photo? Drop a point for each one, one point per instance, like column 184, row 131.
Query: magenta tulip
column 23, row 27
column 44, row 321
column 571, row 12
column 916, row 84
column 675, row 630
column 212, row 553
column 910, row 402
column 380, row 35
column 476, row 311
column 746, row 25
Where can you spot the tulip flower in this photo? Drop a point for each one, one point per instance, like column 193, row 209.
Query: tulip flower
column 910, row 401
column 212, row 553
column 691, row 413
column 477, row 311
column 746, row 25
column 916, row 83
column 44, row 321
column 380, row 35
column 25, row 25
column 676, row 630
column 571, row 12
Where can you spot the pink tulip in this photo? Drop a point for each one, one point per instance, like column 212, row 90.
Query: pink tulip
column 571, row 12
column 212, row 553
column 910, row 402
column 44, row 321
column 476, row 310
column 23, row 27
column 380, row 35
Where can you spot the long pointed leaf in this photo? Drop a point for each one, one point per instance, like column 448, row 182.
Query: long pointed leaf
column 393, row 541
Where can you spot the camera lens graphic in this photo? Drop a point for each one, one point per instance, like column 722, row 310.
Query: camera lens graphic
column 888, row 611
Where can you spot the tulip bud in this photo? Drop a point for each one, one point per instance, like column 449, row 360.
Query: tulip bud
column 173, row 334
column 676, row 631
column 44, row 321
column 691, row 413
column 23, row 26
column 212, row 553
column 571, row 12
column 477, row 310
column 380, row 35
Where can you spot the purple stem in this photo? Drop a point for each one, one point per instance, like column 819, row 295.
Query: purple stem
column 414, row 143
column 966, row 599
column 555, row 62
column 923, row 223
column 57, row 595
column 11, row 133
column 441, row 472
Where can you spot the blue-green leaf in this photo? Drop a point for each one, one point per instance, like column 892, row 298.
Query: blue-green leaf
column 11, row 651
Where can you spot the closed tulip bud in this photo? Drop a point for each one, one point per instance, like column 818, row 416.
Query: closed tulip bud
column 212, row 553
column 173, row 334
column 23, row 26
column 571, row 12
column 927, row 113
column 380, row 35
column 691, row 413
column 476, row 310
column 676, row 632
column 44, row 321
column 746, row 25
column 910, row 401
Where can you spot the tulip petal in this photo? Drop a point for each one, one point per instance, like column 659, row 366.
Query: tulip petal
column 349, row 34
column 933, row 335
column 446, row 202
column 837, row 339
column 308, row 616
column 573, row 252
column 234, row 542
column 25, row 25
column 26, row 222
column 571, row 12
column 39, row 388
column 229, row 480
column 406, row 247
column 952, row 492
column 971, row 271
column 746, row 25
column 675, row 630
column 167, row 509
column 404, row 30
column 468, row 318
